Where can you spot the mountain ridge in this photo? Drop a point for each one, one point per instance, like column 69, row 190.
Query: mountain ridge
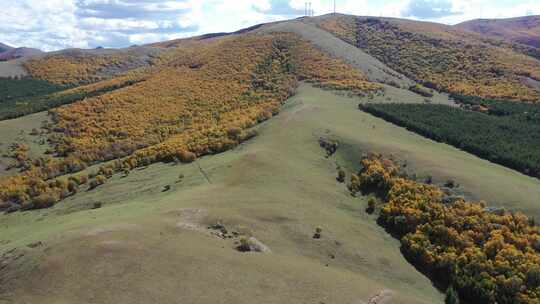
column 524, row 30
column 8, row 52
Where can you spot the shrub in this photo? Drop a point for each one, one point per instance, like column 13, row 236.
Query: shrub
column 234, row 133
column 341, row 176
column 81, row 179
column 451, row 296
column 317, row 234
column 371, row 205
column 44, row 201
column 73, row 186
column 97, row 181
column 186, row 156
column 420, row 91
column 107, row 171
column 248, row 134
column 450, row 183
column 533, row 277
column 244, row 245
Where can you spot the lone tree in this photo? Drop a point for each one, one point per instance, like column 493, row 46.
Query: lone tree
column 371, row 205
column 451, row 296
column 341, row 176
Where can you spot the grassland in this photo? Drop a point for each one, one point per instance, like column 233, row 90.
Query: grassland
column 278, row 187
column 13, row 68
column 199, row 99
column 265, row 188
column 19, row 131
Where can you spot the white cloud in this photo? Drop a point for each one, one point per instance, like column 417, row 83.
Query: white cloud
column 56, row 24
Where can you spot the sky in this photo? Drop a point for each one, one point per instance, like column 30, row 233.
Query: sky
column 58, row 24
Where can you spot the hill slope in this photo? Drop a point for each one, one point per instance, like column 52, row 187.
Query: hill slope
column 4, row 47
column 18, row 53
column 442, row 57
column 163, row 161
column 145, row 245
column 9, row 53
column 196, row 99
column 525, row 30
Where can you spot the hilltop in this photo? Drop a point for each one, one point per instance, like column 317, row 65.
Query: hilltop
column 226, row 168
column 9, row 53
column 4, row 47
column 524, row 30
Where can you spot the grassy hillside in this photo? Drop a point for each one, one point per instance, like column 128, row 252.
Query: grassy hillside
column 524, row 30
column 198, row 99
column 149, row 177
column 442, row 57
column 279, row 188
column 158, row 242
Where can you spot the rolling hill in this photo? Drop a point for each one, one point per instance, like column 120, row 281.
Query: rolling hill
column 19, row 53
column 524, row 30
column 4, row 47
column 442, row 57
column 9, row 53
column 260, row 165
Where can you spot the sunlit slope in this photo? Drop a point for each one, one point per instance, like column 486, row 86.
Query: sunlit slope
column 442, row 57
column 145, row 245
column 198, row 98
column 74, row 67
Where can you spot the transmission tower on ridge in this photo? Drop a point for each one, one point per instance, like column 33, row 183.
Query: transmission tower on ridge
column 309, row 10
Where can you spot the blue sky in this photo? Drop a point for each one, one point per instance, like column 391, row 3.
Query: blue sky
column 58, row 24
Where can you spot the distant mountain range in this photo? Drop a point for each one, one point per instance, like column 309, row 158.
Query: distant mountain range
column 9, row 53
column 524, row 30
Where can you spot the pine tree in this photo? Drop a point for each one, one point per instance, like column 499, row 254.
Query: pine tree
column 451, row 296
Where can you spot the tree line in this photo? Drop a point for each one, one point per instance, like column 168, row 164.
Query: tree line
column 506, row 140
column 26, row 95
column 521, row 111
column 487, row 257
